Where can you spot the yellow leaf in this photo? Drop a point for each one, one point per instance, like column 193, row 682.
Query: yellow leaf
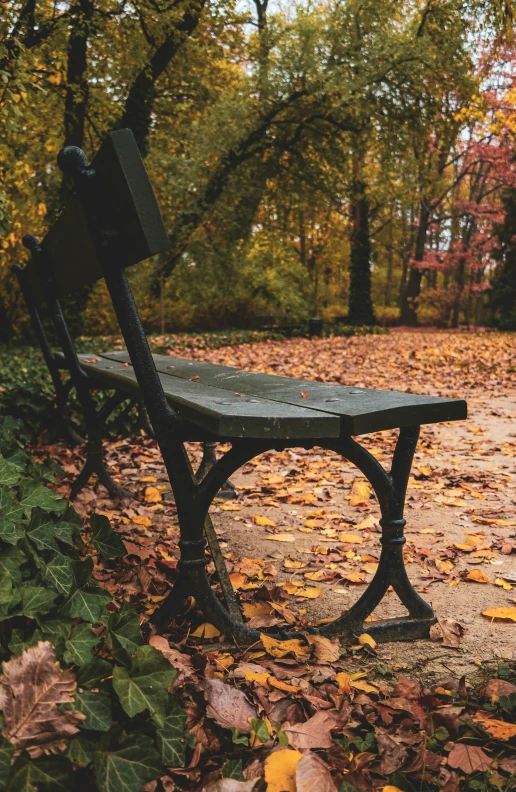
column 366, row 640
column 344, row 682
column 206, row 630
column 260, row 677
column 360, row 493
column 290, row 586
column 477, row 576
column 280, row 770
column 443, row 566
column 368, row 522
column 498, row 729
column 229, row 507
column 140, row 519
column 237, row 579
column 370, row 568
column 42, row 209
column 262, row 520
column 251, row 609
column 310, row 592
column 508, row 613
column 152, row 495
column 282, row 648
column 354, row 577
column 504, row 584
column 148, row 480
column 290, row 563
column 390, row 788
column 280, row 685
column 350, row 539
column 281, row 537
column 366, row 687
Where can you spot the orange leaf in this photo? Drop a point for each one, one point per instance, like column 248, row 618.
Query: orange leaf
column 477, row 576
column 507, row 613
column 152, row 495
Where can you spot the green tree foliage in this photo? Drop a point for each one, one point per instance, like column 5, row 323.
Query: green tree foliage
column 298, row 157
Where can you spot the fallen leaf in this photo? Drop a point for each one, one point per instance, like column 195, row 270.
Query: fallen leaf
column 315, row 732
column 498, row 729
column 350, row 539
column 496, row 688
column 313, row 775
column 469, row 758
column 310, row 592
column 32, row 689
column 228, row 706
column 344, row 682
column 366, row 640
column 277, row 648
column 360, row 492
column 368, row 522
column 281, row 537
column 258, row 520
column 280, row 770
column 478, row 576
column 140, row 519
column 229, row 785
column 506, row 614
column 326, row 651
column 449, row 631
column 152, row 495
column 206, row 630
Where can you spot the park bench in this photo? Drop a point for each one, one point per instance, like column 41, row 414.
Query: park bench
column 113, row 221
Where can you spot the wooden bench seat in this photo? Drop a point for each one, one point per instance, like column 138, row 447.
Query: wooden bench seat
column 267, row 396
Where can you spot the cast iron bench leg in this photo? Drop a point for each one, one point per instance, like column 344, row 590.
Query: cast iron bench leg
column 209, row 459
column 390, row 489
column 94, row 453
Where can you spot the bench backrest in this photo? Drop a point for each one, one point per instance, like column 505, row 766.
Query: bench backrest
column 126, row 195
column 111, row 222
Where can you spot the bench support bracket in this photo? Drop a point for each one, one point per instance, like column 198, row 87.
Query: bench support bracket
column 196, row 527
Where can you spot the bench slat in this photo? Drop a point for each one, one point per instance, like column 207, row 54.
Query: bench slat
column 360, row 410
column 216, row 410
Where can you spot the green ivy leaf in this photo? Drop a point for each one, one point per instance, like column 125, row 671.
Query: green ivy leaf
column 6, row 587
column 6, row 753
column 97, row 708
column 127, row 768
column 41, row 531
column 171, row 737
column 80, row 644
column 33, row 495
column 261, row 730
column 49, row 774
column 58, row 573
column 125, row 635
column 365, row 744
column 233, row 769
column 85, row 599
column 11, row 559
column 11, row 514
column 10, row 474
column 67, row 532
column 145, row 684
column 237, row 738
column 36, row 600
column 80, row 751
column 91, row 674
column 104, row 539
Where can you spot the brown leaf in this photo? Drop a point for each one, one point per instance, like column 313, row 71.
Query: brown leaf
column 32, row 687
column 496, row 728
column 181, row 662
column 469, row 758
column 496, row 688
column 449, row 631
column 231, row 785
column 312, row 775
column 228, row 706
column 325, row 651
column 315, row 732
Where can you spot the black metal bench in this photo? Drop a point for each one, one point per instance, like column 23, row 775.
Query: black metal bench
column 113, row 221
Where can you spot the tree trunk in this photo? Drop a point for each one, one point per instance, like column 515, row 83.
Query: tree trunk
column 360, row 306
column 410, row 300
column 139, row 104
